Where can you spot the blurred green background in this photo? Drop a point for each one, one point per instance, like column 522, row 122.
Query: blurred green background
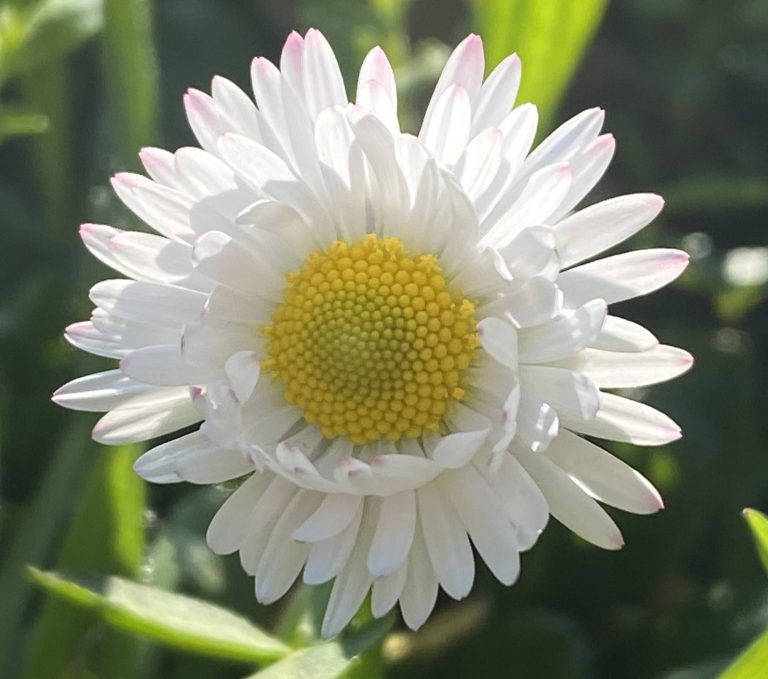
column 85, row 83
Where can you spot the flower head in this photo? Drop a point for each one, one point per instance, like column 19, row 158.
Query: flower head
column 393, row 337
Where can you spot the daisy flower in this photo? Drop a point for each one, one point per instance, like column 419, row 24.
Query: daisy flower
column 393, row 339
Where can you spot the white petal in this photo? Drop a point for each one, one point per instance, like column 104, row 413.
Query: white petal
column 327, row 557
column 531, row 253
column 499, row 339
column 457, row 449
column 147, row 416
column 587, row 168
column 569, row 504
column 619, row 370
column 394, row 534
column 164, row 366
column 622, row 277
column 497, row 94
column 243, row 369
column 99, row 392
column 291, row 61
column 236, row 110
column 601, row 226
column 480, row 162
column 353, row 582
column 323, row 84
column 566, row 141
column 266, row 171
column 211, row 343
column 603, row 476
column 618, row 334
column 86, row 336
column 539, row 198
column 446, row 132
column 569, row 393
column 373, row 97
column 150, row 303
column 376, row 67
column 562, row 336
column 270, row 506
column 482, row 515
column 420, row 589
column 446, row 541
column 621, row 419
column 283, row 558
column 191, row 458
column 201, row 173
column 331, row 517
column 159, row 166
column 537, row 423
column 522, row 500
column 203, row 119
column 465, row 67
column 386, row 591
column 537, row 301
column 228, row 526
column 164, row 209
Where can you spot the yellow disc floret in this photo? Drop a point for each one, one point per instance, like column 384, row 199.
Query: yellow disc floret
column 369, row 342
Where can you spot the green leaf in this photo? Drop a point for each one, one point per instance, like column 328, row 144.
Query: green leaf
column 758, row 523
column 550, row 38
column 324, row 661
column 130, row 74
column 106, row 535
column 751, row 663
column 33, row 34
column 330, row 660
column 170, row 619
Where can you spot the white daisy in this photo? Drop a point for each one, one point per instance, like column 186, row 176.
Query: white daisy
column 392, row 337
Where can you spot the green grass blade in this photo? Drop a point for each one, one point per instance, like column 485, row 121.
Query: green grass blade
column 106, row 535
column 758, row 524
column 37, row 34
column 38, row 532
column 167, row 618
column 549, row 35
column 752, row 663
column 130, row 73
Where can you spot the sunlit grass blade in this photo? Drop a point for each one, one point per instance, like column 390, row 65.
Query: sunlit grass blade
column 105, row 535
column 36, row 34
column 130, row 74
column 37, row 533
column 758, row 523
column 549, row 35
column 752, row 663
column 167, row 618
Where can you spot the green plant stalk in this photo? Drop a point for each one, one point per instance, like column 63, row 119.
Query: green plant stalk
column 105, row 536
column 130, row 75
column 47, row 91
column 38, row 531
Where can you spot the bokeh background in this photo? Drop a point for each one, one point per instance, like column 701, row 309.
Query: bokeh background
column 85, row 83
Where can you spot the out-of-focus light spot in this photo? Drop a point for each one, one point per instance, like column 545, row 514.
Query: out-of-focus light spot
column 720, row 595
column 663, row 469
column 746, row 266
column 729, row 341
column 698, row 245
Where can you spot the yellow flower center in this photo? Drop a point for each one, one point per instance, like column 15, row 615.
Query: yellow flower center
column 368, row 341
